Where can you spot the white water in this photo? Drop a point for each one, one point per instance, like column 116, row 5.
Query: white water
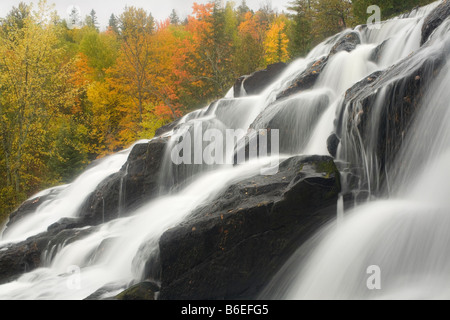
column 405, row 237
column 123, row 258
column 68, row 201
column 393, row 234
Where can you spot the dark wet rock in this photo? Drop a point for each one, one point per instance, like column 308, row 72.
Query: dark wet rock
column 348, row 42
column 134, row 184
column 377, row 53
column 333, row 144
column 167, row 128
column 142, row 291
column 258, row 81
column 306, row 80
column 35, row 252
column 434, row 20
column 30, row 206
column 230, row 248
column 377, row 112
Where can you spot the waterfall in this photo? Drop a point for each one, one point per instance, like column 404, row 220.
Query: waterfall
column 404, row 237
column 404, row 234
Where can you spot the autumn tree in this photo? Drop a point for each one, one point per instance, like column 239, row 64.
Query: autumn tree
column 276, row 42
column 34, row 88
column 136, row 26
column 252, row 33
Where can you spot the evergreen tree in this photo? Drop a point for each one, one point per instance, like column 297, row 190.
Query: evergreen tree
column 91, row 20
column 113, row 23
column 300, row 32
column 74, row 18
column 243, row 8
column 174, row 19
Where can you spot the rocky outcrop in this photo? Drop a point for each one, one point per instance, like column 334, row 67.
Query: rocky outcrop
column 28, row 255
column 135, row 183
column 142, row 291
column 231, row 247
column 348, row 42
column 377, row 112
column 434, row 20
column 258, row 81
column 307, row 79
column 30, row 206
column 167, row 128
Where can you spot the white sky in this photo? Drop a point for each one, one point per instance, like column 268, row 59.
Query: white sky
column 160, row 9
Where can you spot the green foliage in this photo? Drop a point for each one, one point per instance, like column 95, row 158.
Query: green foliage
column 389, row 8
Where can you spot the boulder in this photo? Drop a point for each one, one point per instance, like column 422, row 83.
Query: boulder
column 258, row 81
column 142, row 291
column 434, row 20
column 134, row 184
column 231, row 247
column 333, row 144
column 306, row 80
column 348, row 42
column 35, row 252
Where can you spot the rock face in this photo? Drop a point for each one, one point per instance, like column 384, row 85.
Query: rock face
column 230, row 248
column 142, row 291
column 167, row 128
column 434, row 20
column 258, row 81
column 30, row 206
column 379, row 109
column 347, row 42
column 29, row 255
column 135, row 183
column 307, row 79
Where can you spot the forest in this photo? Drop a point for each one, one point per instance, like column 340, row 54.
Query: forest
column 72, row 92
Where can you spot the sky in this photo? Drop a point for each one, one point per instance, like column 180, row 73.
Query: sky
column 160, row 9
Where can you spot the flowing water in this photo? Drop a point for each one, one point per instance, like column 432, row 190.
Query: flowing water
column 404, row 236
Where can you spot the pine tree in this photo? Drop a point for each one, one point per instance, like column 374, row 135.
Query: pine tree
column 74, row 18
column 91, row 20
column 113, row 23
column 301, row 35
column 174, row 19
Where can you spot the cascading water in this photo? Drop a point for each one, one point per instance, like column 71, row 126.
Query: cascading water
column 124, row 251
column 404, row 239
column 68, row 200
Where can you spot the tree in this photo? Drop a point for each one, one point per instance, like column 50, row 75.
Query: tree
column 91, row 20
column 34, row 89
column 174, row 19
column 136, row 27
column 276, row 43
column 15, row 19
column 101, row 50
column 74, row 18
column 332, row 16
column 301, row 31
column 113, row 24
column 243, row 8
column 251, row 36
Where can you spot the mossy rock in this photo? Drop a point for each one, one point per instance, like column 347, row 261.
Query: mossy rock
column 141, row 291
